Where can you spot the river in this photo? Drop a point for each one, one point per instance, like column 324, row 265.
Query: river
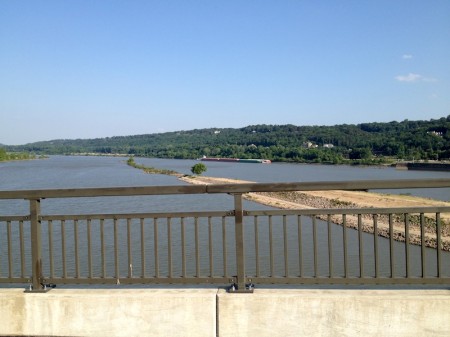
column 79, row 172
column 84, row 171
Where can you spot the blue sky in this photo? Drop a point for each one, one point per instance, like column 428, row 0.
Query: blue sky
column 88, row 69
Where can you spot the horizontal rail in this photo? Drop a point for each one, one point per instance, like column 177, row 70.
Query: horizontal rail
column 144, row 280
column 350, row 280
column 14, row 218
column 369, row 211
column 310, row 212
column 328, row 185
column 226, row 188
column 137, row 215
column 11, row 280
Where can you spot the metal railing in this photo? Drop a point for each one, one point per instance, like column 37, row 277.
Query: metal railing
column 238, row 247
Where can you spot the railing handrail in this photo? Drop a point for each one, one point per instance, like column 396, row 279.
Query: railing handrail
column 127, row 227
column 226, row 188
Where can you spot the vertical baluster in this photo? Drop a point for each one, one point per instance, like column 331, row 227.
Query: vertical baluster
column 361, row 247
column 407, row 256
column 391, row 246
column 10, row 262
column 285, row 243
column 256, row 245
column 155, row 233
column 314, row 224
column 375, row 245
column 169, row 246
column 89, row 247
column 183, row 248
column 300, row 245
column 116, row 251
column 344, row 234
column 129, row 249
column 330, row 247
column 272, row 274
column 77, row 261
column 211, row 248
column 22, row 250
column 224, row 246
column 102, row 243
column 50, row 247
column 422, row 248
column 142, row 223
column 197, row 250
column 438, row 245
column 63, row 247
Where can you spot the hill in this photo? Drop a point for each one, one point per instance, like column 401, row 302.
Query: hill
column 366, row 143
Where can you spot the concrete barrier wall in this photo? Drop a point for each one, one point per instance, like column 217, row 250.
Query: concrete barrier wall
column 335, row 313
column 212, row 312
column 151, row 312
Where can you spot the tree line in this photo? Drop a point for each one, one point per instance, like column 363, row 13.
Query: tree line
column 6, row 156
column 362, row 143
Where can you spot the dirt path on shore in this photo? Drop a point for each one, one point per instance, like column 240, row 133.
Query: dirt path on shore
column 352, row 199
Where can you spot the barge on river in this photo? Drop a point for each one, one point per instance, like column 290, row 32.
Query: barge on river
column 423, row 166
column 237, row 160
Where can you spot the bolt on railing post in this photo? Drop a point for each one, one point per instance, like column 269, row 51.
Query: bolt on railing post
column 36, row 244
column 239, row 239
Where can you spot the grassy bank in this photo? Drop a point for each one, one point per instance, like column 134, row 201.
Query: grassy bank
column 152, row 170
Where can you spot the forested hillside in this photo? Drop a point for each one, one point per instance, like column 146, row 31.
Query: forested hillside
column 367, row 142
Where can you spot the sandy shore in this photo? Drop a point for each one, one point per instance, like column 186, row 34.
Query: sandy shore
column 351, row 199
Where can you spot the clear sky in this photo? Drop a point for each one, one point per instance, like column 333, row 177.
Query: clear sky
column 89, row 69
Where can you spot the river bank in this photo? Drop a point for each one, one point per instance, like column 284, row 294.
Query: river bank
column 352, row 199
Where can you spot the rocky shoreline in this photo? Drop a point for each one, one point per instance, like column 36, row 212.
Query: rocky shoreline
column 349, row 200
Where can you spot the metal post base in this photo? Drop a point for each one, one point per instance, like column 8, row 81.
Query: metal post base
column 249, row 287
column 46, row 288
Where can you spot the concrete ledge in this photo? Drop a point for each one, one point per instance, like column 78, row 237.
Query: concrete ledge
column 125, row 312
column 334, row 313
column 192, row 312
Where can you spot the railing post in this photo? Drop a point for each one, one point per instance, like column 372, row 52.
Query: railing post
column 36, row 246
column 239, row 239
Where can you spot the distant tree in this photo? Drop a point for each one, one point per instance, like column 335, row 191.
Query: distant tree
column 131, row 161
column 198, row 168
column 361, row 153
column 3, row 154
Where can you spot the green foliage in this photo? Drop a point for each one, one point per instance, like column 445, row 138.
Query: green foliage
column 131, row 161
column 363, row 143
column 361, row 153
column 4, row 156
column 198, row 168
column 150, row 169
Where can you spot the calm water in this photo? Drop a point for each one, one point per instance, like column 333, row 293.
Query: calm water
column 69, row 172
column 79, row 172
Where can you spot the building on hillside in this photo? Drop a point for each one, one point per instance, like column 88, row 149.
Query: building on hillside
column 309, row 145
